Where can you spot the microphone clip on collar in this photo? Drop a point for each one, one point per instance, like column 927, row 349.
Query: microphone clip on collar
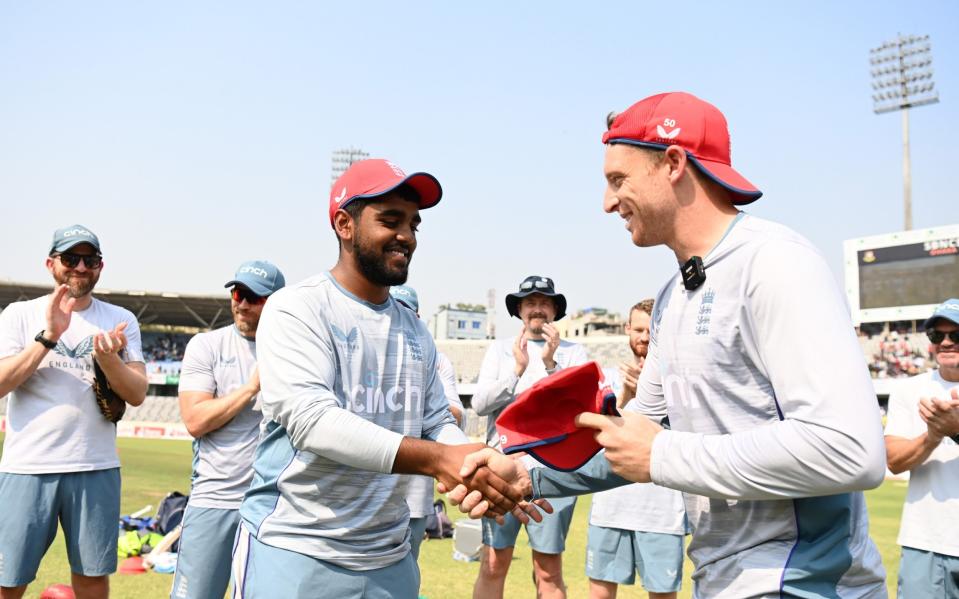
column 693, row 272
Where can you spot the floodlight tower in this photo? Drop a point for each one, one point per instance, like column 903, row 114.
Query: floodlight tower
column 342, row 159
column 902, row 79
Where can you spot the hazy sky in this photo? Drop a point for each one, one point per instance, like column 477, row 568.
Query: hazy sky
column 191, row 136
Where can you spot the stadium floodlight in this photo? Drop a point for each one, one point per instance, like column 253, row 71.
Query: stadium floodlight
column 902, row 79
column 342, row 159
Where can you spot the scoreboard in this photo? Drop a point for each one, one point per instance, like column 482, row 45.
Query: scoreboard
column 901, row 276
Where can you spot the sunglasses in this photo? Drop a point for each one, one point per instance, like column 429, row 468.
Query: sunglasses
column 92, row 261
column 538, row 283
column 936, row 337
column 239, row 294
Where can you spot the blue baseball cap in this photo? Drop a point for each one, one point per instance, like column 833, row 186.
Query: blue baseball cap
column 406, row 295
column 67, row 237
column 259, row 276
column 948, row 309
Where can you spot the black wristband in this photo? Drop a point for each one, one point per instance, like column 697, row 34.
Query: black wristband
column 44, row 341
column 955, row 438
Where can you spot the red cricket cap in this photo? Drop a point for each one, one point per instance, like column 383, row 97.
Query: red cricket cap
column 540, row 421
column 681, row 119
column 375, row 177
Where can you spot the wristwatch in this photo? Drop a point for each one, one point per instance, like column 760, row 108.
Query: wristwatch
column 44, row 341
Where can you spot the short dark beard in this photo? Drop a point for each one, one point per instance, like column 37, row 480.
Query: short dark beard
column 372, row 265
column 78, row 288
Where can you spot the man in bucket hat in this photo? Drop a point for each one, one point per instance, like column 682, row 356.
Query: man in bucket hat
column 510, row 367
column 922, row 438
column 351, row 399
column 219, row 388
column 772, row 454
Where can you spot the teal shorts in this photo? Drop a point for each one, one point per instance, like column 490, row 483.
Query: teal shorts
column 206, row 552
column 924, row 574
column 614, row 555
column 548, row 536
column 262, row 571
column 87, row 506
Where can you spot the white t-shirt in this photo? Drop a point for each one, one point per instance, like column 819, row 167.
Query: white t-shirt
column 498, row 386
column 644, row 507
column 420, row 495
column 931, row 511
column 53, row 423
column 219, row 362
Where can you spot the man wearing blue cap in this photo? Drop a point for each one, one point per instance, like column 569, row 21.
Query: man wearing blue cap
column 219, row 389
column 420, row 493
column 59, row 455
column 922, row 437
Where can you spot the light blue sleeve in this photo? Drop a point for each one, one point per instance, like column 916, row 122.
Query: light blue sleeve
column 297, row 376
column 593, row 477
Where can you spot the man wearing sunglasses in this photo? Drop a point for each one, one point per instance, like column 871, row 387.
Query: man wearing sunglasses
column 59, row 455
column 510, row 367
column 219, row 387
column 351, row 398
column 922, row 438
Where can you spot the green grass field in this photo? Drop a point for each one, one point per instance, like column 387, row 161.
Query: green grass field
column 151, row 468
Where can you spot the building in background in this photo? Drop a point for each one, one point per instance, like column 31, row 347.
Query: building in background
column 462, row 321
column 591, row 322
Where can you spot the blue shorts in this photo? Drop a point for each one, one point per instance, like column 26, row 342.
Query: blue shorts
column 87, row 505
column 261, row 571
column 548, row 536
column 417, row 530
column 614, row 555
column 925, row 574
column 206, row 552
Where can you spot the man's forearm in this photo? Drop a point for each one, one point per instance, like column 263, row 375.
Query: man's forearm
column 593, row 477
column 129, row 381
column 16, row 369
column 207, row 415
column 904, row 454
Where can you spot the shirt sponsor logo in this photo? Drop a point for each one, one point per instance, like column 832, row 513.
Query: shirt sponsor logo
column 371, row 398
column 228, row 362
column 416, row 351
column 80, row 350
column 346, row 341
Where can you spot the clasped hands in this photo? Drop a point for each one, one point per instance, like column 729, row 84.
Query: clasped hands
column 627, row 439
column 941, row 415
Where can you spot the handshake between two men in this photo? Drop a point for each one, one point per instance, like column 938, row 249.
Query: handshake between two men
column 579, row 422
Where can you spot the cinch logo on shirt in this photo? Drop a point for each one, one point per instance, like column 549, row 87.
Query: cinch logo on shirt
column 371, row 398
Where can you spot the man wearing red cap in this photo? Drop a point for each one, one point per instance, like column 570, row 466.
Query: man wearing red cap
column 509, row 367
column 350, row 398
column 771, row 452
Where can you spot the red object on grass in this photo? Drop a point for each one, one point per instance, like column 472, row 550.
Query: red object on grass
column 58, row 591
column 132, row 565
